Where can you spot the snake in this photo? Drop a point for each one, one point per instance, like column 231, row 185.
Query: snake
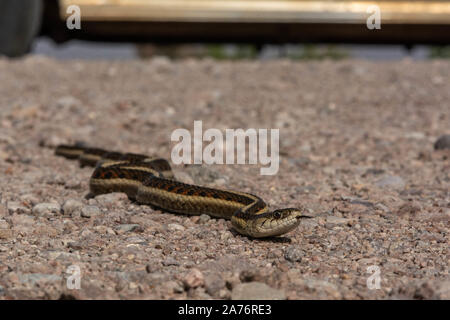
column 150, row 181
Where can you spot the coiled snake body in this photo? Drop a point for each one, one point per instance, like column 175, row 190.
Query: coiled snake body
column 150, row 181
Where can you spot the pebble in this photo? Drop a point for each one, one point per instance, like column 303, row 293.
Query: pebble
column 75, row 245
column 3, row 210
column 170, row 262
column 204, row 218
column 442, row 292
column 127, row 228
column 15, row 207
column 72, row 183
column 256, row 291
column 52, row 255
column 4, row 224
column 29, row 199
column 86, row 233
column 394, row 182
column 6, row 233
column 162, row 64
column 325, row 288
column 32, row 278
column 214, row 284
column 46, row 209
column 175, row 227
column 294, row 254
column 225, row 235
column 194, row 279
column 337, row 220
column 90, row 211
column 443, row 142
column 111, row 198
column 67, row 102
column 175, row 286
column 72, row 208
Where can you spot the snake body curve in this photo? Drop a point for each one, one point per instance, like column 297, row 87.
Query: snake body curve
column 150, row 181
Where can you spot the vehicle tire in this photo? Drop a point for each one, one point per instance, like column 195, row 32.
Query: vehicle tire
column 20, row 21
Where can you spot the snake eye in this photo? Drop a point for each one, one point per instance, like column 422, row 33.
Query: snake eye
column 277, row 214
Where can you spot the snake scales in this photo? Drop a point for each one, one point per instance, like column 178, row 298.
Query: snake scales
column 150, row 181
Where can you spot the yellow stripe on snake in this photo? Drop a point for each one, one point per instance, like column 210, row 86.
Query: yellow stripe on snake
column 150, row 181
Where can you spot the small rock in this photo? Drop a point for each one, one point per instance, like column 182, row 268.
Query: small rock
column 15, row 207
column 443, row 291
column 6, row 233
column 443, row 142
column 90, row 211
column 46, row 209
column 151, row 268
column 113, row 233
column 72, row 183
column 225, row 235
column 194, row 279
column 72, row 208
column 175, row 227
column 382, row 207
column 294, row 254
column 4, row 224
column 175, row 286
column 3, row 210
column 102, row 229
column 33, row 278
column 162, row 64
column 204, row 218
column 127, row 228
column 337, row 220
column 111, row 198
column 394, row 182
column 256, row 291
column 432, row 290
column 415, row 135
column 170, row 262
column 67, row 102
column 86, row 233
column 220, row 182
column 323, row 287
column 61, row 255
column 213, row 284
column 329, row 171
column 409, row 208
column 29, row 199
column 75, row 245
column 198, row 293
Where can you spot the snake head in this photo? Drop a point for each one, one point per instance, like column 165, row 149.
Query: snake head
column 275, row 223
column 285, row 220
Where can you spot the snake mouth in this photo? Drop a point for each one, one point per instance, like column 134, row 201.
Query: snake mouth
column 304, row 217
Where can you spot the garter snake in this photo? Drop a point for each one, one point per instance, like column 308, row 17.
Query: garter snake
column 150, row 181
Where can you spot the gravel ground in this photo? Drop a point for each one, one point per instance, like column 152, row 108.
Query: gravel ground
column 356, row 149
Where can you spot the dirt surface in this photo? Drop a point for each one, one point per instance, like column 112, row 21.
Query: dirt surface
column 356, row 150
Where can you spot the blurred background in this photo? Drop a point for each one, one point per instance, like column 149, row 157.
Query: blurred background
column 225, row 29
